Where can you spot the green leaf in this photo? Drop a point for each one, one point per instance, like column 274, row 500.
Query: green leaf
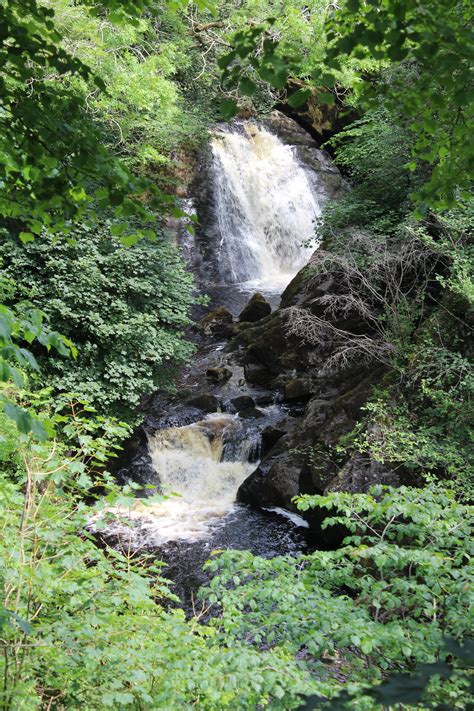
column 228, row 108
column 299, row 98
column 26, row 237
column 247, row 86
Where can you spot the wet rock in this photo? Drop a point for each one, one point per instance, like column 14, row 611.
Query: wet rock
column 269, row 343
column 320, row 119
column 250, row 412
column 270, row 436
column 257, row 374
column 300, row 389
column 205, row 402
column 287, row 470
column 134, row 464
column 256, row 309
column 178, row 416
column 218, row 375
column 275, row 481
column 361, row 472
column 218, row 323
column 265, row 400
column 243, row 402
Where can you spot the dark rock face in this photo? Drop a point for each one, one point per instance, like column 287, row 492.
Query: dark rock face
column 308, row 151
column 304, row 459
column 250, row 412
column 205, row 402
column 134, row 465
column 243, row 402
column 257, row 374
column 288, row 468
column 217, row 323
column 300, row 389
column 270, row 436
column 321, row 119
column 256, row 309
column 218, row 375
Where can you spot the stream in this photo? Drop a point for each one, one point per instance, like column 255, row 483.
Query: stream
column 264, row 205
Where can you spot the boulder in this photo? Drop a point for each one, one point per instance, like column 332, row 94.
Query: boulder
column 250, row 412
column 300, row 390
column 205, row 402
column 243, row 402
column 257, row 374
column 217, row 323
column 218, row 375
column 265, row 400
column 270, row 436
column 256, row 309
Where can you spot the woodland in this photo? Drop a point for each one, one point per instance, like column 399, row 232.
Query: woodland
column 105, row 106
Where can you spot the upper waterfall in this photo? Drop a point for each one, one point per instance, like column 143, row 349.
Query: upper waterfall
column 266, row 207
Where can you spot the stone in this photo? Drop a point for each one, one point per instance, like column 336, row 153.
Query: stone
column 250, row 412
column 270, row 436
column 219, row 322
column 257, row 373
column 265, row 400
column 300, row 389
column 205, row 402
column 218, row 375
column 243, row 402
column 256, row 309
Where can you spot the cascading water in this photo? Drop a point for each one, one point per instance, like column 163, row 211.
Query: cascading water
column 265, row 208
column 194, row 473
column 199, row 480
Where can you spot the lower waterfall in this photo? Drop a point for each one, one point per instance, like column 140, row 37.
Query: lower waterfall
column 199, row 467
column 265, row 208
column 200, row 484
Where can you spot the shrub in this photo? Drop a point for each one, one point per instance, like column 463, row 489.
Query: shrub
column 126, row 309
column 385, row 601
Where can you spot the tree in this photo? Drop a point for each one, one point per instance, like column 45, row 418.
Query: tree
column 429, row 47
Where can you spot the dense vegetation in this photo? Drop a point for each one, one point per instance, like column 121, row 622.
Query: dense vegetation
column 102, row 105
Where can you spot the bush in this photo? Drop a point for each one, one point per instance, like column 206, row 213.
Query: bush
column 386, row 600
column 126, row 309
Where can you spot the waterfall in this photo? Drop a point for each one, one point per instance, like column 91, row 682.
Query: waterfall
column 198, row 484
column 265, row 208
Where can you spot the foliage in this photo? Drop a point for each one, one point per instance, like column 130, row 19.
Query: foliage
column 403, row 299
column 426, row 425
column 51, row 152
column 55, row 166
column 125, row 308
column 438, row 38
column 83, row 627
column 385, row 600
column 142, row 112
column 374, row 153
column 15, row 359
column 432, row 43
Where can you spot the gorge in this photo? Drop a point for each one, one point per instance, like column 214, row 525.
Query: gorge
column 260, row 192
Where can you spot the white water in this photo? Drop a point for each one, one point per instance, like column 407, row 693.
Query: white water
column 265, row 208
column 199, row 487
